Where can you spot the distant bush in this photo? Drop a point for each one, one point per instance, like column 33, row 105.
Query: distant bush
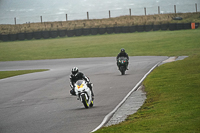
column 100, row 23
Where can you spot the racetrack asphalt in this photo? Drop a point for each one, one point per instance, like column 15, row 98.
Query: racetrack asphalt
column 40, row 102
column 135, row 99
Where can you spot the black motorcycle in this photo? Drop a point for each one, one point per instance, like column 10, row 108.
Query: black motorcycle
column 122, row 64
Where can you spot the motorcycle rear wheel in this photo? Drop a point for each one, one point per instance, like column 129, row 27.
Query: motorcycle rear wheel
column 91, row 104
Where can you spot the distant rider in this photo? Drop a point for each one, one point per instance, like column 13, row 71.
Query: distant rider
column 123, row 54
column 75, row 76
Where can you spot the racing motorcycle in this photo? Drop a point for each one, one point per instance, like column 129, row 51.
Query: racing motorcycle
column 122, row 64
column 83, row 93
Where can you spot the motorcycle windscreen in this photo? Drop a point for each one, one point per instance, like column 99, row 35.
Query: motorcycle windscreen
column 79, row 82
column 122, row 58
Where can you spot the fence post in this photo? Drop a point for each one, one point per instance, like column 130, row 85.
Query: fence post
column 15, row 20
column 175, row 9
column 41, row 18
column 158, row 9
column 66, row 17
column 87, row 15
column 196, row 7
column 130, row 11
column 109, row 13
column 145, row 11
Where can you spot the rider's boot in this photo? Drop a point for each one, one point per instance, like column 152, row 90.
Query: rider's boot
column 72, row 92
column 127, row 67
column 92, row 94
column 90, row 86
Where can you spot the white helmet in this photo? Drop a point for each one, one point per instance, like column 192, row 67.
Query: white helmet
column 74, row 70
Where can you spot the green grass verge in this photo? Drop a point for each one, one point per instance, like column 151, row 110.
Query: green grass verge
column 6, row 74
column 167, row 43
column 172, row 103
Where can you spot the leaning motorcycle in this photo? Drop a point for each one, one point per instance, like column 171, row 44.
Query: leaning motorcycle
column 83, row 93
column 122, row 64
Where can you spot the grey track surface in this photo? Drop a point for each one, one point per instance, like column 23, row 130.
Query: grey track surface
column 40, row 102
column 135, row 100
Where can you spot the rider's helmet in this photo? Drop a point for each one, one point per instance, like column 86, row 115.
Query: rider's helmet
column 122, row 50
column 74, row 70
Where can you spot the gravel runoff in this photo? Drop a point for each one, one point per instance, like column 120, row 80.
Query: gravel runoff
column 134, row 101
column 130, row 106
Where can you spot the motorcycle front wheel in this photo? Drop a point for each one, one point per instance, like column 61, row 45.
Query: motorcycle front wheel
column 84, row 101
column 122, row 70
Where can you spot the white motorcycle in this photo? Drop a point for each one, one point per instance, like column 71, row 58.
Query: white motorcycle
column 83, row 93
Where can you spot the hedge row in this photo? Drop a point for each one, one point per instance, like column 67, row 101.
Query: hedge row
column 95, row 31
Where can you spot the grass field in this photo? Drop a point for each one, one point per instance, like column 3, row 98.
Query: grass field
column 173, row 93
column 6, row 74
column 167, row 43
